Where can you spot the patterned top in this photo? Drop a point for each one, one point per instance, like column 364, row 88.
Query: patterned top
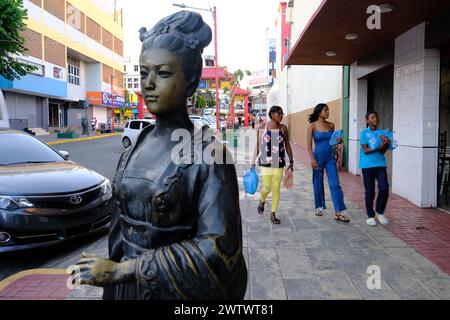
column 272, row 148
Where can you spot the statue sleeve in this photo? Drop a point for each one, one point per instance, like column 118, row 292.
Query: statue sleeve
column 211, row 265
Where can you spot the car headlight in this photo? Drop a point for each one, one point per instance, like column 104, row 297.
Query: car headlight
column 13, row 203
column 107, row 188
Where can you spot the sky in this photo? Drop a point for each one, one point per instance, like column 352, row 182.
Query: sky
column 241, row 27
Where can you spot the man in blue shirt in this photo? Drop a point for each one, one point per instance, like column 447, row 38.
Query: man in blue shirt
column 373, row 164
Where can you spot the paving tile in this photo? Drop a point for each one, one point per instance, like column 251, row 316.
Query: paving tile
column 294, row 264
column 336, row 285
column 303, row 289
column 267, row 286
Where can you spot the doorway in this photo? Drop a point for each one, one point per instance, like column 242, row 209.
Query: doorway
column 443, row 178
column 53, row 115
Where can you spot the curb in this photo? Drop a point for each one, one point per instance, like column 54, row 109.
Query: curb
column 5, row 282
column 84, row 139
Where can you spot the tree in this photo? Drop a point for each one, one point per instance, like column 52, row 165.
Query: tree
column 200, row 102
column 239, row 75
column 12, row 15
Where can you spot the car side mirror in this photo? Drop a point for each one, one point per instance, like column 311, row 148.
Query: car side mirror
column 64, row 154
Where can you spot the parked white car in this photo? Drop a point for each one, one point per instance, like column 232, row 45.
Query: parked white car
column 133, row 129
column 202, row 121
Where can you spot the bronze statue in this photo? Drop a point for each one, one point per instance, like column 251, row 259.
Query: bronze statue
column 176, row 228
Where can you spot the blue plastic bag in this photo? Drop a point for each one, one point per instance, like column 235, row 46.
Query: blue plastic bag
column 336, row 135
column 250, row 181
column 390, row 135
column 373, row 139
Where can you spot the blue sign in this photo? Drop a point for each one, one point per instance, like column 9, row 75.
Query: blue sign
column 202, row 84
column 118, row 100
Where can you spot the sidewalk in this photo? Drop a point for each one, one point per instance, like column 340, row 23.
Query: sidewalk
column 309, row 257
column 51, row 139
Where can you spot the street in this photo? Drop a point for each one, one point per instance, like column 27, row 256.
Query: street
column 98, row 155
column 306, row 257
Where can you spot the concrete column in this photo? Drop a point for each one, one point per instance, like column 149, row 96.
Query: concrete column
column 416, row 118
column 357, row 117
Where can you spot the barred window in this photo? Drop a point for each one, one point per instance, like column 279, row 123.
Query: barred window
column 73, row 74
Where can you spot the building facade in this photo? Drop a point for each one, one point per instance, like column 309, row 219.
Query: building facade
column 77, row 49
column 301, row 87
column 396, row 61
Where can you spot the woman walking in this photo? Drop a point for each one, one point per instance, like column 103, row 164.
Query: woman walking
column 320, row 130
column 273, row 144
column 373, row 165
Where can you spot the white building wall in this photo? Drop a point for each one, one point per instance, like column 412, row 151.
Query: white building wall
column 357, row 117
column 300, row 14
column 303, row 87
column 416, row 118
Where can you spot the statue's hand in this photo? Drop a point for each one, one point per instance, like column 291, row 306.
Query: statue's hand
column 96, row 271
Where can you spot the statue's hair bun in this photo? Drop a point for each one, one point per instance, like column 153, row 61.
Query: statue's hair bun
column 184, row 28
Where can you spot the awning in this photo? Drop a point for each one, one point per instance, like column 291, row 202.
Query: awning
column 334, row 19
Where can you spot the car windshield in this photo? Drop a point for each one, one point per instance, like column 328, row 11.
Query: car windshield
column 21, row 148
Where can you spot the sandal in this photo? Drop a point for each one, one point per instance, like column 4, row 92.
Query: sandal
column 261, row 208
column 341, row 217
column 274, row 219
column 319, row 212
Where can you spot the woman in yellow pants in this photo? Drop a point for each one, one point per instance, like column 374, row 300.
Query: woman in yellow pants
column 273, row 144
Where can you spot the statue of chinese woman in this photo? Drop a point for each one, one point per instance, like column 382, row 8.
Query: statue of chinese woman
column 176, row 227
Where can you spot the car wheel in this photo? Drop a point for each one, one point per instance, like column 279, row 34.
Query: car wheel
column 126, row 142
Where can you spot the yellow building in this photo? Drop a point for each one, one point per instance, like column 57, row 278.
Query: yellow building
column 77, row 48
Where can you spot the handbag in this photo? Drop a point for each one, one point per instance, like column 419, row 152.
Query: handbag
column 289, row 179
column 251, row 181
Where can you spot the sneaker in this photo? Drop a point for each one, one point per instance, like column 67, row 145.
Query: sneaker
column 382, row 219
column 371, row 222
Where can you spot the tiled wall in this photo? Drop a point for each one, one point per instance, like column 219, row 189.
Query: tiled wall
column 357, row 120
column 416, row 116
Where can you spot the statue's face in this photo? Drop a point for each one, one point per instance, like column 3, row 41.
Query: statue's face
column 162, row 81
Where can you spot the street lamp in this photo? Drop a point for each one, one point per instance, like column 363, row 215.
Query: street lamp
column 112, row 104
column 216, row 71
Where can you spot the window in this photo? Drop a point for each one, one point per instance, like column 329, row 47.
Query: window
column 73, row 72
column 145, row 124
column 136, row 68
column 22, row 148
column 136, row 79
column 124, row 68
column 40, row 69
column 129, row 80
column 136, row 125
column 136, row 85
column 130, row 86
